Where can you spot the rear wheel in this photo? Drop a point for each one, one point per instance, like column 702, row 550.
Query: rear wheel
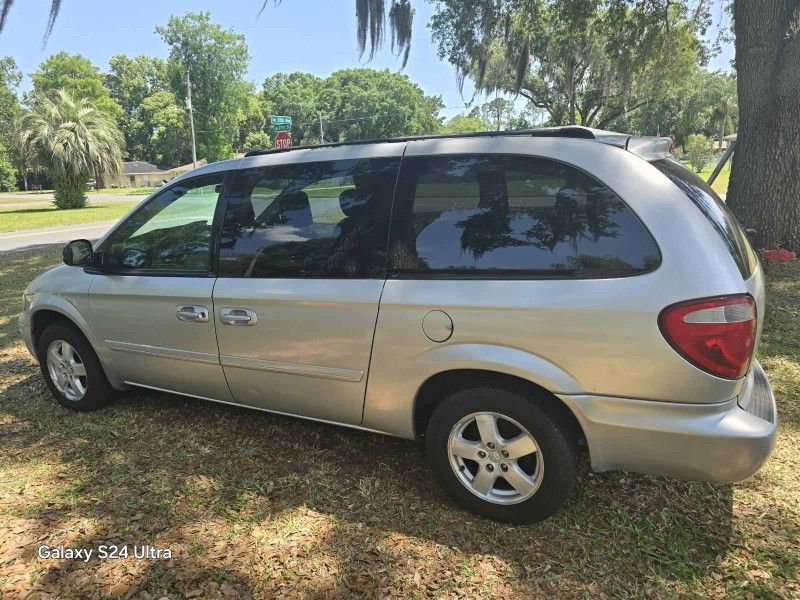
column 71, row 369
column 500, row 455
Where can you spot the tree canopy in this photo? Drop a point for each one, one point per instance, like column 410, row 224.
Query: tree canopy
column 76, row 75
column 353, row 104
column 588, row 62
column 367, row 103
column 131, row 81
column 215, row 59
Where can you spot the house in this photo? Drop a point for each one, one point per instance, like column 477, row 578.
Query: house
column 174, row 172
column 138, row 173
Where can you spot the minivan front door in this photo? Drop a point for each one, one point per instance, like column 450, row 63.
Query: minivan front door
column 301, row 269
column 151, row 303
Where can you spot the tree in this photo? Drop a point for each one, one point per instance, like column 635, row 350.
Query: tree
column 368, row 103
column 130, row 81
column 76, row 75
column 719, row 96
column 466, row 123
column 354, row 104
column 10, row 78
column 252, row 120
column 257, row 140
column 698, row 151
column 584, row 61
column 75, row 140
column 764, row 186
column 216, row 60
column 8, row 174
column 13, row 159
column 296, row 95
column 166, row 125
column 498, row 113
column 705, row 104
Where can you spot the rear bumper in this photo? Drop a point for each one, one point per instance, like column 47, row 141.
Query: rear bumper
column 722, row 442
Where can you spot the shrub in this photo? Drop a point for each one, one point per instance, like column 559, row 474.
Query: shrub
column 699, row 151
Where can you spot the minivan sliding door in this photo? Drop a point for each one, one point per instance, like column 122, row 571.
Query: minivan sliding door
column 301, row 269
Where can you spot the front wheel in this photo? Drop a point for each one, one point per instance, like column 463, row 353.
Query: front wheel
column 500, row 455
column 71, row 369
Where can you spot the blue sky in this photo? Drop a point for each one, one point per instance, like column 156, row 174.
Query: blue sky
column 317, row 36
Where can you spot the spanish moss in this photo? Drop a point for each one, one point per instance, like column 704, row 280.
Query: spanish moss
column 401, row 19
column 55, row 6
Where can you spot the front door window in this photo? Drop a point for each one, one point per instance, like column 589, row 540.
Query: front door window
column 172, row 232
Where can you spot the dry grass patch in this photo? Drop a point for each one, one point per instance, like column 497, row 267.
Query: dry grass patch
column 254, row 505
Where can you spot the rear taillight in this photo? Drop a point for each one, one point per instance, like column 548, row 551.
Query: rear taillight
column 717, row 335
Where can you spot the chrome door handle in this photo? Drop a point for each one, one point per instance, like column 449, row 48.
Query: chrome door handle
column 192, row 312
column 237, row 316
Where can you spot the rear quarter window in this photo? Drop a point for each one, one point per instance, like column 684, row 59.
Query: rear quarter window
column 715, row 210
column 517, row 216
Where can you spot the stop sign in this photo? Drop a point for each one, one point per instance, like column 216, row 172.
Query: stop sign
column 283, row 140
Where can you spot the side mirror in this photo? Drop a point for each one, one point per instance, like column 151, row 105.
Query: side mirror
column 77, row 253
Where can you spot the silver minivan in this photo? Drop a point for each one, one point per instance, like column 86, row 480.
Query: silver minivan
column 513, row 299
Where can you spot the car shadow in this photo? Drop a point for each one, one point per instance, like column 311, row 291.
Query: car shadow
column 161, row 467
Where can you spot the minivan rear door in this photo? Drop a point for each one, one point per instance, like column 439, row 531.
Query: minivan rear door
column 301, row 270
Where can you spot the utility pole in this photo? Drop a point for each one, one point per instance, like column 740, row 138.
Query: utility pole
column 191, row 115
column 321, row 137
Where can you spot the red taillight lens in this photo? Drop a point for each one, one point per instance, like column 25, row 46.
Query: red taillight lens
column 717, row 335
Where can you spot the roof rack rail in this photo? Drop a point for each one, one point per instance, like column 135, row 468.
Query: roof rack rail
column 569, row 131
column 649, row 148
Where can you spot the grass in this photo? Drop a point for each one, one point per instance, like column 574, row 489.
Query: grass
column 720, row 184
column 121, row 191
column 254, row 505
column 16, row 219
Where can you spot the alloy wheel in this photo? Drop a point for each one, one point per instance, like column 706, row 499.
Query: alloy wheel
column 67, row 370
column 495, row 457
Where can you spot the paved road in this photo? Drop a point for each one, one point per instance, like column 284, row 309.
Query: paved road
column 61, row 234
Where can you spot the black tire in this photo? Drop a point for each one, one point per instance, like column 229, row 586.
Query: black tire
column 99, row 392
column 551, row 431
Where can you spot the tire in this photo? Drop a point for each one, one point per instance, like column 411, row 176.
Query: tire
column 96, row 391
column 550, row 470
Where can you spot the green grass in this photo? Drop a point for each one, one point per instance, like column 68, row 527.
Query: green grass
column 258, row 505
column 27, row 199
column 16, row 219
column 720, row 184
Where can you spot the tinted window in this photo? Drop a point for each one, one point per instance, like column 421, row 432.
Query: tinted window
column 500, row 214
column 172, row 232
column 324, row 219
column 715, row 210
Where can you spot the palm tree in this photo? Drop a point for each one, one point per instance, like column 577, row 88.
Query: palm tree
column 74, row 140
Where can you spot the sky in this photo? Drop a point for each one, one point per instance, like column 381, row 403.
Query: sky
column 317, row 36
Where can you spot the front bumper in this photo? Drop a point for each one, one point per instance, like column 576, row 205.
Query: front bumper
column 721, row 442
column 26, row 334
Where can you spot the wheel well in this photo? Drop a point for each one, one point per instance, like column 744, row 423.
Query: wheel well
column 42, row 319
column 440, row 385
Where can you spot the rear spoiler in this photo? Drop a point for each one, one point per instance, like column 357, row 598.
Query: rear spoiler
column 647, row 147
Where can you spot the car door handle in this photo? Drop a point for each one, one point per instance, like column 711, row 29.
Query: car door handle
column 237, row 316
column 192, row 312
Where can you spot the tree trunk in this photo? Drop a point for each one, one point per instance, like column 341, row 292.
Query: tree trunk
column 764, row 190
